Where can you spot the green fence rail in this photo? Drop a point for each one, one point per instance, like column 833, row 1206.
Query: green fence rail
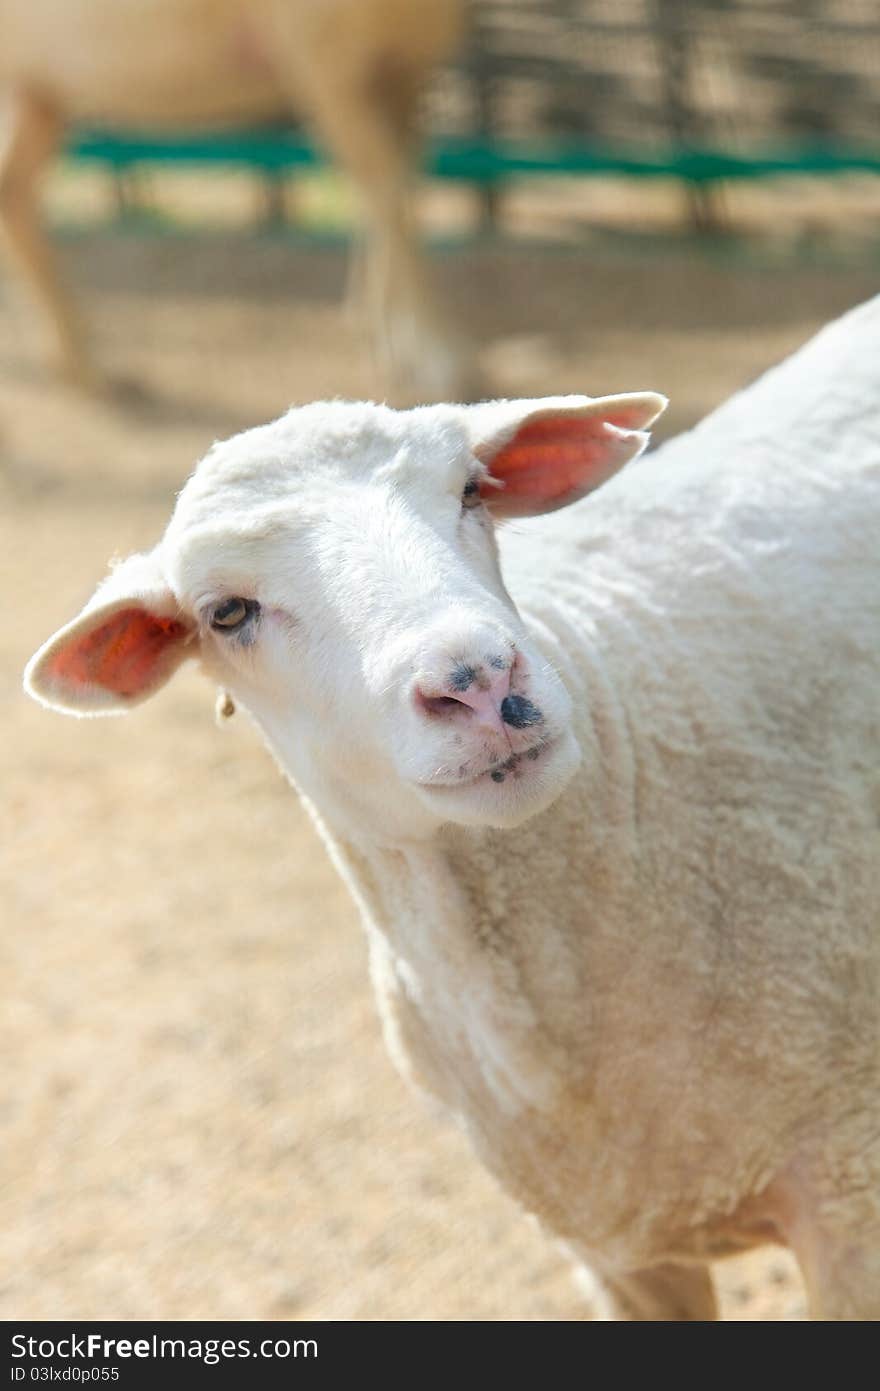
column 277, row 152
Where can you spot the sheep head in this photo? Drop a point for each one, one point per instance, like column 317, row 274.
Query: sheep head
column 337, row 572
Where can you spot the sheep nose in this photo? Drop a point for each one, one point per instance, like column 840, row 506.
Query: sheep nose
column 472, row 692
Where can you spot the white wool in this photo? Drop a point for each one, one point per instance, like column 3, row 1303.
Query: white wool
column 645, row 974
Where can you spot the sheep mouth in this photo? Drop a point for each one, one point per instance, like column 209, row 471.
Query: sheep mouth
column 518, row 763
column 515, row 768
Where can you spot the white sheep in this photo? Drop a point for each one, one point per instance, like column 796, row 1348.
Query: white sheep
column 612, row 821
column 354, row 68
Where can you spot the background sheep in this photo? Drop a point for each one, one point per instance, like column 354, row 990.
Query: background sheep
column 651, row 998
column 354, row 68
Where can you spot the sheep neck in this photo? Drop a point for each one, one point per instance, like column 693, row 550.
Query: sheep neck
column 461, row 928
column 456, row 1019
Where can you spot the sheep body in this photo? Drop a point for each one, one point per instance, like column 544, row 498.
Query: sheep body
column 667, row 1039
column 166, row 63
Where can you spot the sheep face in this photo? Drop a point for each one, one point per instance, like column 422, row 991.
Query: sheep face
column 337, row 572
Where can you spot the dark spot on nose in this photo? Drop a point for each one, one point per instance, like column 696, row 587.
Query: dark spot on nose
column 519, row 712
column 461, row 677
column 499, row 663
column 497, row 775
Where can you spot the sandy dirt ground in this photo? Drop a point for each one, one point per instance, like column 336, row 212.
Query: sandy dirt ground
column 199, row 1118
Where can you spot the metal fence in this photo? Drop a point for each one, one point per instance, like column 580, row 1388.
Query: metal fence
column 699, row 89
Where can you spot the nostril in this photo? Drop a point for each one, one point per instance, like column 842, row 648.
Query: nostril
column 519, row 712
column 439, row 705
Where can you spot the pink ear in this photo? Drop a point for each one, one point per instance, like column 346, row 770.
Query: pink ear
column 108, row 660
column 128, row 640
column 126, row 655
column 545, row 454
column 551, row 461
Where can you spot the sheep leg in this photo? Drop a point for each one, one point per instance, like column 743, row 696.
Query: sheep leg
column 660, row 1293
column 367, row 122
column 828, row 1209
column 840, row 1262
column 32, row 135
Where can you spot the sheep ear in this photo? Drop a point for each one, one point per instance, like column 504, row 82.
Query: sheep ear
column 547, row 453
column 125, row 644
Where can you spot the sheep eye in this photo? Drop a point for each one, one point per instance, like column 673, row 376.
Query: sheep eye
column 233, row 613
column 471, row 494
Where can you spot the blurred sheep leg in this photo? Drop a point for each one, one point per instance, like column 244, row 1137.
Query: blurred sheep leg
column 843, row 1279
column 834, row 1230
column 366, row 117
column 661, row 1293
column 31, row 135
